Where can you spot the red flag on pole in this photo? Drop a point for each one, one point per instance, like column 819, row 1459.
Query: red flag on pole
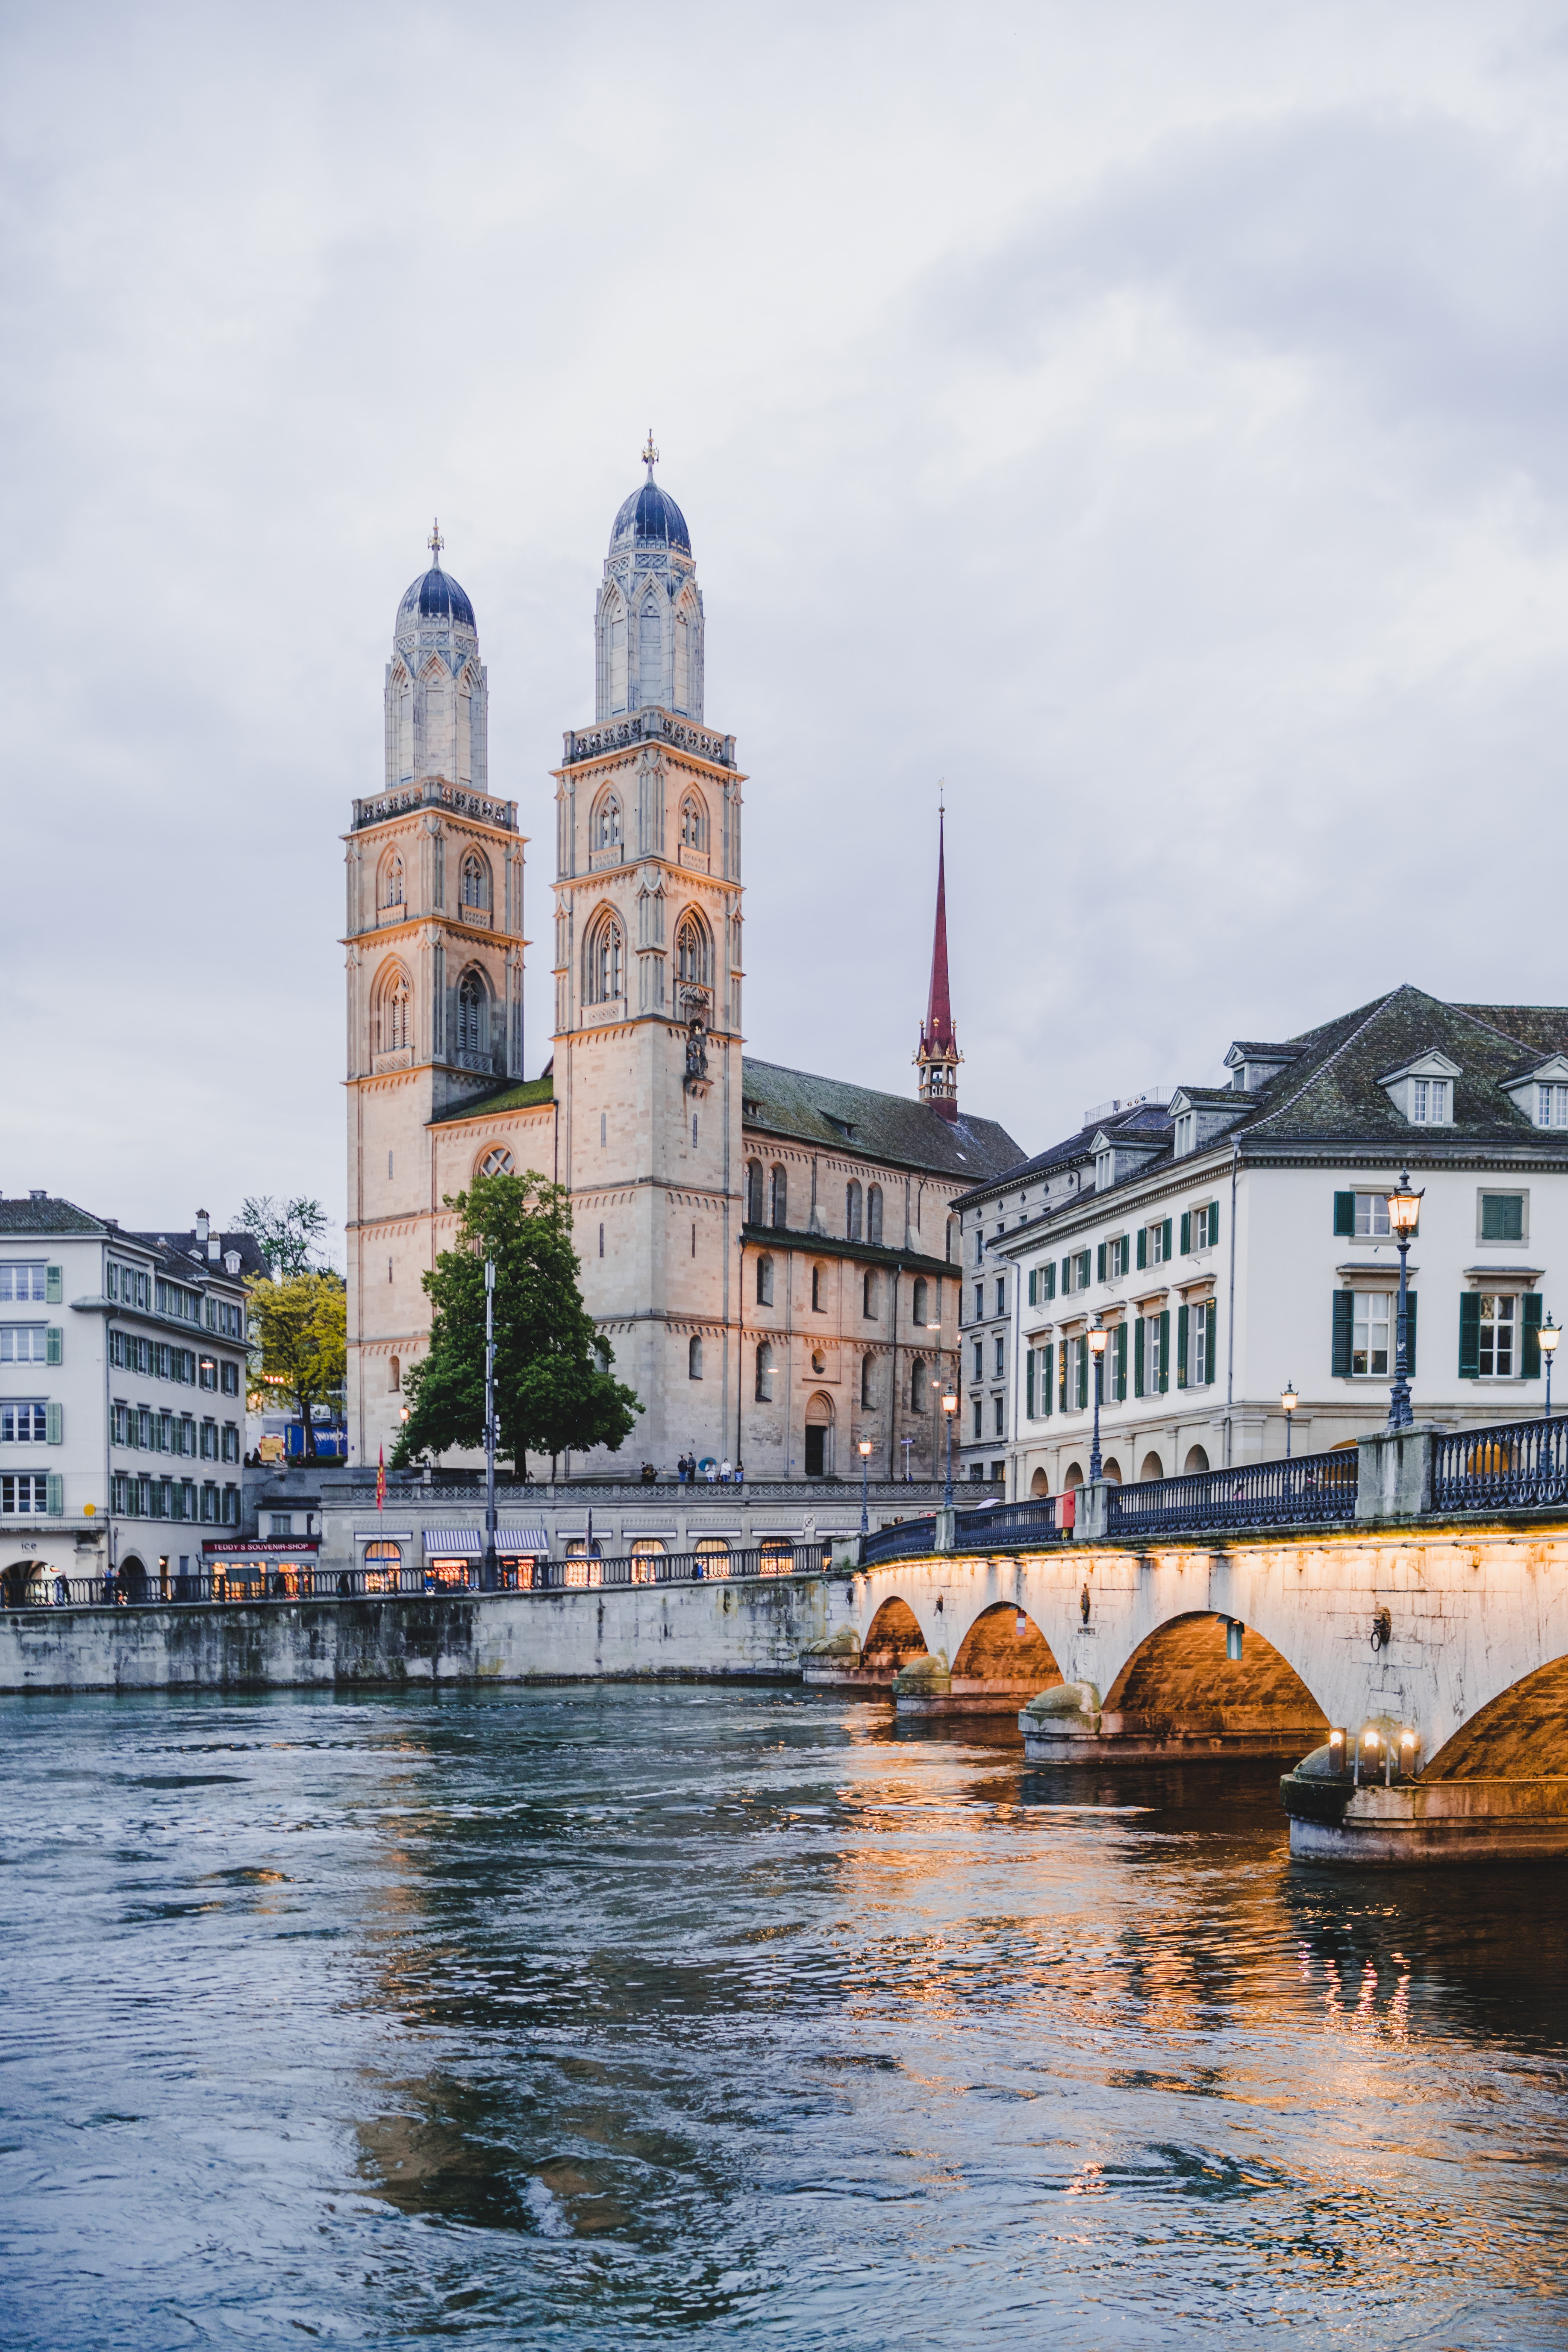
column 381, row 1479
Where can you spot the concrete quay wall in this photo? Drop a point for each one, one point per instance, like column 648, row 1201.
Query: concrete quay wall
column 753, row 1629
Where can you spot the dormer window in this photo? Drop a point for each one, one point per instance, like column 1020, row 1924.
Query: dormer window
column 1104, row 1167
column 1430, row 1102
column 1185, row 1134
column 1423, row 1091
column 1551, row 1106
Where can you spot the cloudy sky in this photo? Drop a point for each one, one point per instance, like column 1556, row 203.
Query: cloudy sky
column 1150, row 418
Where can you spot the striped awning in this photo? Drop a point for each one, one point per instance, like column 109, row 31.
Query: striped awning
column 468, row 1543
column 522, row 1539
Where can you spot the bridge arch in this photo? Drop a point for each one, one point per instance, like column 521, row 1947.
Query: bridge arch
column 893, row 1635
column 1520, row 1735
column 1004, row 1646
column 1186, row 1686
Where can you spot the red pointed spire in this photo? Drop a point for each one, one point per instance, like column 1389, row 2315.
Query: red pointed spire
column 938, row 1056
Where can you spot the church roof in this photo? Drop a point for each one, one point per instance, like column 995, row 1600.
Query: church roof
column 651, row 514
column 436, row 596
column 833, row 1114
column 524, row 1094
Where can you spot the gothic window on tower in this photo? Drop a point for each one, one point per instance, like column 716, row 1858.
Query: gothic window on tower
column 496, row 1161
column 396, row 1010
column 819, row 1290
column 693, row 823
column 764, row 1373
column 602, row 960
column 651, row 651
column 615, row 652
column 693, row 951
column 920, row 1387
column 476, row 881
column 753, row 1192
column 392, row 881
column 764, row 1280
column 781, row 1197
column 869, row 1297
column 918, row 1308
column 682, row 660
column 694, row 1360
column 607, row 824
column 868, row 1381
column 852, row 1211
column 473, row 1006
column 874, row 1214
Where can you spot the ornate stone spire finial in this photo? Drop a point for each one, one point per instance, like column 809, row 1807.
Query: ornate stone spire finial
column 650, row 455
column 937, row 1056
column 435, row 542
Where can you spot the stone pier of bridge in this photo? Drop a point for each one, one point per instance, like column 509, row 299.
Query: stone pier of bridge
column 1415, row 1678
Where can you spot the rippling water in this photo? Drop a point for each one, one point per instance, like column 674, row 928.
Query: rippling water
column 675, row 2016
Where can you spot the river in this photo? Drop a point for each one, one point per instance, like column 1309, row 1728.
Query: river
column 669, row 2016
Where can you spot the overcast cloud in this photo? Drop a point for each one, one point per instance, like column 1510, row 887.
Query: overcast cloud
column 1149, row 417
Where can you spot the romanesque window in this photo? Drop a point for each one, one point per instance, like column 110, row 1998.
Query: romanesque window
column 393, row 1375
column 476, row 891
column 764, row 1373
column 472, row 1006
column 918, row 1310
column 753, row 1192
column 391, row 882
column 819, row 1290
column 694, row 1359
column 852, row 1210
column 874, row 1214
column 607, row 824
column 869, row 1297
column 781, row 1197
column 397, row 1012
column 868, row 1381
column 919, row 1386
column 764, row 1281
column 496, row 1161
column 602, row 960
column 694, row 960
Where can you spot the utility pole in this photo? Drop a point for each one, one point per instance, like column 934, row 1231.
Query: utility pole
column 490, row 1577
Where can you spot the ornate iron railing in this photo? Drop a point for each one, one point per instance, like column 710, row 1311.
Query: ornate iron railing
column 1308, row 1488
column 1004, row 1523
column 903, row 1542
column 1517, row 1465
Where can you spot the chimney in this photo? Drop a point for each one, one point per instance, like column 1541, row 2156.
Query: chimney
column 204, row 1224
column 37, row 1196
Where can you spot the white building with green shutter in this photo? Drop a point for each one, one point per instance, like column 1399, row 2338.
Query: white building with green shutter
column 122, row 1394
column 1234, row 1240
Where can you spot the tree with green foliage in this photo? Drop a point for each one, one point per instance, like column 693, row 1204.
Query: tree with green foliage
column 300, row 1343
column 554, row 1390
column 287, row 1232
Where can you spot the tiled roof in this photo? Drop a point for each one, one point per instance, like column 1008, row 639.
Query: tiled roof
column 182, row 1253
column 528, row 1094
column 48, row 1216
column 897, row 1128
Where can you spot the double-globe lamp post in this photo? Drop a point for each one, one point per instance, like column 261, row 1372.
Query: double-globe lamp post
column 1404, row 1214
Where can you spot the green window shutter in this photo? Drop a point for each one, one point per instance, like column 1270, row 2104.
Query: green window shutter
column 55, row 1421
column 54, row 1343
column 1029, row 1385
column 1165, row 1349
column 1122, row 1363
column 1142, row 1247
column 1531, row 1352
column 1047, row 1379
column 1050, row 1274
column 1033, row 1289
column 1062, row 1377
column 1182, row 1313
column 1212, row 1312
column 1344, row 1213
column 1138, row 1358
column 1345, row 1334
column 1165, row 1230
column 1214, row 1224
column 1470, row 1336
column 1082, row 1375
column 1186, row 1231
column 1409, row 1334
column 1099, row 1262
column 57, row 1495
column 51, row 1285
column 1067, row 1276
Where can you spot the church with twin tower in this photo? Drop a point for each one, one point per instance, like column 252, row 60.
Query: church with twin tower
column 769, row 1255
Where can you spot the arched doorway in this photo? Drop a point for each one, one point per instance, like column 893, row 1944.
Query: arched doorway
column 132, row 1579
column 1197, row 1460
column 13, row 1582
column 819, row 1436
column 1002, row 1661
column 1152, row 1468
column 1112, row 1470
column 1074, row 1477
column 1184, row 1691
column 1039, row 1486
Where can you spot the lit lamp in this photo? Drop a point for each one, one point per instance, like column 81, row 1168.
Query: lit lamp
column 949, row 1407
column 1288, row 1401
column 1404, row 1210
column 864, row 1450
column 1547, row 1338
column 1098, row 1336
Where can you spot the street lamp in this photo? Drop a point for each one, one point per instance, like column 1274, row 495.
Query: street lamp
column 1288, row 1401
column 1098, row 1336
column 1404, row 1210
column 864, row 1450
column 949, row 1407
column 1547, row 1338
column 489, row 1577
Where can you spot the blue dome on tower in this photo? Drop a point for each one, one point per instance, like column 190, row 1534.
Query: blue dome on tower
column 650, row 514
column 436, row 596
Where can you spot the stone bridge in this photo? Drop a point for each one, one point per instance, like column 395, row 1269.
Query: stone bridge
column 1421, row 1675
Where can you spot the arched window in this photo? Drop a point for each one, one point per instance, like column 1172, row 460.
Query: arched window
column 819, row 1290
column 693, row 963
column 919, row 1386
column 951, row 1249
column 602, row 960
column 396, row 1010
column 472, row 1008
column 475, row 882
column 764, row 1280
column 682, row 661
column 496, row 1161
column 781, row 1197
column 392, row 881
column 764, row 1372
column 869, row 1297
column 693, row 823
column 615, row 652
column 753, row 1192
column 867, row 1380
column 874, row 1214
column 606, row 832
column 394, row 1375
column 918, row 1303
column 694, row 1359
column 852, row 1210
column 650, row 653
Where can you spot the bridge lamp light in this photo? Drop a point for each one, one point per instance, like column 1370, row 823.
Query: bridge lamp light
column 1408, row 1747
column 1098, row 1336
column 1336, row 1751
column 1289, row 1399
column 950, row 1413
column 1233, row 1641
column 1547, row 1338
column 864, row 1451
column 1404, row 1214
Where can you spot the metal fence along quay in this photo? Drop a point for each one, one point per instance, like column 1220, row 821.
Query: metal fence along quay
column 1301, row 1491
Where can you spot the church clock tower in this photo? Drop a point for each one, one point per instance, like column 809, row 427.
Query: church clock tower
column 647, row 990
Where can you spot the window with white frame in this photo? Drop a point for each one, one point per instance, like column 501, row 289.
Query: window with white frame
column 1001, row 1363
column 1498, row 1324
column 1551, row 1106
column 1120, row 1250
column 1372, row 1216
column 1430, row 1102
column 24, row 1421
column 24, row 1343
column 28, row 1492
column 1372, row 1323
column 1151, row 1365
column 1198, row 1368
column 22, row 1280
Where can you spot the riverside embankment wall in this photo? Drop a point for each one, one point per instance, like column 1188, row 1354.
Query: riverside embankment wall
column 734, row 1630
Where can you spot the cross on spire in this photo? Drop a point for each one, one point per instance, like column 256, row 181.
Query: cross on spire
column 650, row 455
column 435, row 542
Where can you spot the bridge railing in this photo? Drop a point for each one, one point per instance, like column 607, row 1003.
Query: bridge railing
column 1307, row 1490
column 1516, row 1465
column 1010, row 1523
column 904, row 1541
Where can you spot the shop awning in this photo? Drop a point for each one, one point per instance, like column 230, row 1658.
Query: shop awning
column 468, row 1543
